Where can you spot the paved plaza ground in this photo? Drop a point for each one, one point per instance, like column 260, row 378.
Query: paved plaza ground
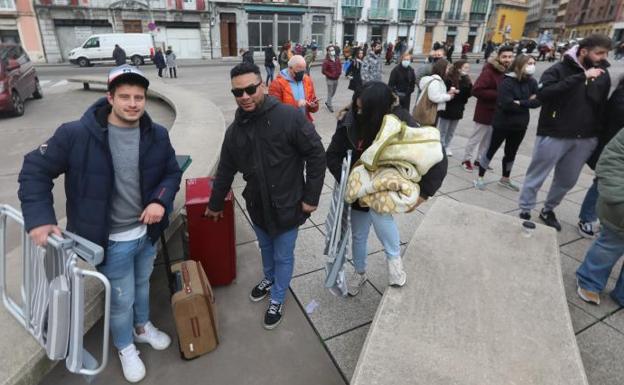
column 322, row 345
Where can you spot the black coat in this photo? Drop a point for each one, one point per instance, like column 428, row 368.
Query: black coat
column 270, row 147
column 119, row 55
column 572, row 106
column 509, row 115
column 614, row 123
column 159, row 60
column 269, row 55
column 356, row 78
column 455, row 107
column 402, row 80
column 346, row 138
column 248, row 57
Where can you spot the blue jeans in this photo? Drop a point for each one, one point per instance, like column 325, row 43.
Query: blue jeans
column 386, row 230
column 278, row 260
column 270, row 70
column 588, row 209
column 128, row 267
column 601, row 257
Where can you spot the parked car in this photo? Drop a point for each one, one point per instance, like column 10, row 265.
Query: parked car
column 18, row 79
column 99, row 48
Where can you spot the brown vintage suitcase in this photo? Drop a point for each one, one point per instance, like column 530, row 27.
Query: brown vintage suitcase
column 194, row 310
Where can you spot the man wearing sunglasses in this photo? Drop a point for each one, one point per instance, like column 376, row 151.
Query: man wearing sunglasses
column 295, row 87
column 270, row 143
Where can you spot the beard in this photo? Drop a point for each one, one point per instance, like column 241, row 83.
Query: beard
column 588, row 63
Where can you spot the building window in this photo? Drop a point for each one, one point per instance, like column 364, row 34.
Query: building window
column 7, row 5
column 9, row 36
column 318, row 30
column 479, row 6
column 260, row 29
column 434, row 5
column 288, row 28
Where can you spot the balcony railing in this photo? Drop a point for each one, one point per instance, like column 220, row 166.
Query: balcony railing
column 281, row 2
column 433, row 15
column 380, row 14
column 407, row 14
column 352, row 12
column 408, row 4
column 474, row 16
column 353, row 3
column 456, row 16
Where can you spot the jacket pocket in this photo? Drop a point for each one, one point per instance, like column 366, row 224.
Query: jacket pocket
column 287, row 211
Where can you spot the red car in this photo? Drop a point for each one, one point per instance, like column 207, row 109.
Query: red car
column 18, row 79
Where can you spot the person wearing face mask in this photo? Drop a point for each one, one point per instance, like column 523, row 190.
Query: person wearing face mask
column 293, row 86
column 485, row 89
column 574, row 96
column 517, row 94
column 371, row 67
column 331, row 69
column 356, row 129
column 448, row 120
column 403, row 80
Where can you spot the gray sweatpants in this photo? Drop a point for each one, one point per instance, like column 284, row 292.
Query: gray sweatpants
column 479, row 140
column 567, row 157
column 332, row 85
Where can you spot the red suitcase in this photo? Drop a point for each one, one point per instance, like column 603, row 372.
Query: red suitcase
column 211, row 243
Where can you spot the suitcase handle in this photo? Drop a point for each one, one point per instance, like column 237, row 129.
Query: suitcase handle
column 186, row 278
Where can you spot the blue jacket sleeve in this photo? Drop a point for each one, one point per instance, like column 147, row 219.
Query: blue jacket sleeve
column 36, row 179
column 170, row 184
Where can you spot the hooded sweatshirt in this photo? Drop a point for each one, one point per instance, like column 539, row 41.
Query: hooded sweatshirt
column 572, row 105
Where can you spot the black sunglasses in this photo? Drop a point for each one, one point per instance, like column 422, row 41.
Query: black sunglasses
column 249, row 90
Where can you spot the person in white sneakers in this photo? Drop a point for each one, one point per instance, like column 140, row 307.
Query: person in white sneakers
column 356, row 130
column 117, row 197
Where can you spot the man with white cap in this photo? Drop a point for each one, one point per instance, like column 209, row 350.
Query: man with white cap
column 121, row 177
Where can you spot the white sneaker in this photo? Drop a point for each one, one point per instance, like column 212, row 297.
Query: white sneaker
column 355, row 283
column 396, row 274
column 131, row 364
column 152, row 336
column 449, row 153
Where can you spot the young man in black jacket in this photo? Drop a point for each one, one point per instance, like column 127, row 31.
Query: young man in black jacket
column 270, row 143
column 573, row 95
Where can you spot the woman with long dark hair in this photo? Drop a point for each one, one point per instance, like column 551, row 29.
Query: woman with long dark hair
column 517, row 94
column 356, row 130
column 459, row 79
column 353, row 72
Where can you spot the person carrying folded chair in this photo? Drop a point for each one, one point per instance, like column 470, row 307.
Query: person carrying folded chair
column 377, row 131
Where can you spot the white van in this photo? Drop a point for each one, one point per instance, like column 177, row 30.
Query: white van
column 99, row 48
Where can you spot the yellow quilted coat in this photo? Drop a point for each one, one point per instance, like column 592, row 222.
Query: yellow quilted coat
column 386, row 176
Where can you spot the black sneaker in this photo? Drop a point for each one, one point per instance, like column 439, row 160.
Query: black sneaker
column 526, row 216
column 549, row 219
column 260, row 290
column 273, row 315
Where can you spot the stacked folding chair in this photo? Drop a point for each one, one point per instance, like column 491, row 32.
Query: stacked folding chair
column 338, row 233
column 52, row 291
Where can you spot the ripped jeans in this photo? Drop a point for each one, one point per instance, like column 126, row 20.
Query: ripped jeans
column 128, row 266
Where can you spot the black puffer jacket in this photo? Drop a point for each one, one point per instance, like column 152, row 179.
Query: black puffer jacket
column 346, row 138
column 572, row 106
column 509, row 115
column 455, row 107
column 270, row 148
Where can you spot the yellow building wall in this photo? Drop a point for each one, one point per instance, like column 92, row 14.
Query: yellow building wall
column 507, row 23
